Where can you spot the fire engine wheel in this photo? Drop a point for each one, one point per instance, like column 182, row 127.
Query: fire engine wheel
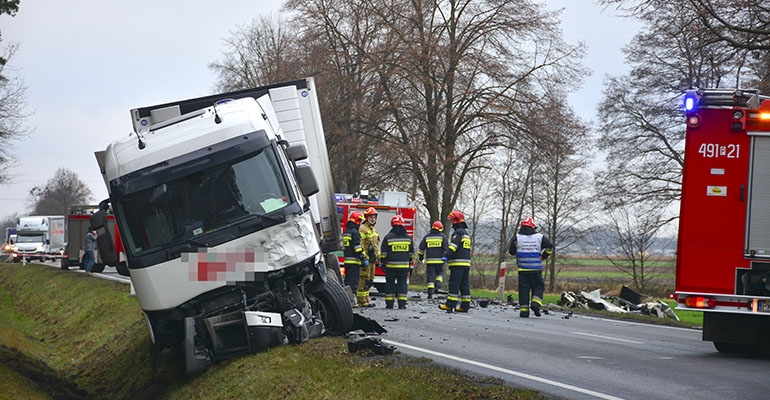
column 98, row 267
column 333, row 307
column 735, row 348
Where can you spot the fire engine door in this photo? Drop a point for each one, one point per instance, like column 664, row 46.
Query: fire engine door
column 758, row 211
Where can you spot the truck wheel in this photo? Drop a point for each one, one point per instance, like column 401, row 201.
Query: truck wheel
column 98, row 267
column 333, row 306
column 65, row 264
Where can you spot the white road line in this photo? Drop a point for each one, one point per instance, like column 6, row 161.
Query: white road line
column 606, row 337
column 507, row 371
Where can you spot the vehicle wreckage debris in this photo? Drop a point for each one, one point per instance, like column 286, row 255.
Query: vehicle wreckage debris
column 628, row 302
column 375, row 345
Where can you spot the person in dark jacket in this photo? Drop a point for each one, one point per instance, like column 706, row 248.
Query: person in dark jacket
column 355, row 256
column 458, row 258
column 396, row 257
column 432, row 249
column 89, row 247
column 530, row 249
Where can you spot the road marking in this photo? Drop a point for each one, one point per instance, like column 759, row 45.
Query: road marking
column 507, row 371
column 606, row 337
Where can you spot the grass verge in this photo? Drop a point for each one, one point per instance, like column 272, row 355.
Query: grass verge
column 68, row 335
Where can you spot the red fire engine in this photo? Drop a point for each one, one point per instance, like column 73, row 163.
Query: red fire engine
column 78, row 221
column 723, row 251
column 388, row 205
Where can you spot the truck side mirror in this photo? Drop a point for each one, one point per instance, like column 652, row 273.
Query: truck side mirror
column 306, row 180
column 296, row 152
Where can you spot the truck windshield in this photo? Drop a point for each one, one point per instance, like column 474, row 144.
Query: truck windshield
column 30, row 239
column 204, row 201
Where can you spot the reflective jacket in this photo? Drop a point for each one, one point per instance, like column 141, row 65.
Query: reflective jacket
column 370, row 240
column 530, row 249
column 459, row 251
column 397, row 249
column 433, row 247
column 351, row 241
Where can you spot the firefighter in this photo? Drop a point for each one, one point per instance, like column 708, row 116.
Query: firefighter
column 458, row 257
column 396, row 252
column 370, row 242
column 432, row 249
column 355, row 256
column 530, row 249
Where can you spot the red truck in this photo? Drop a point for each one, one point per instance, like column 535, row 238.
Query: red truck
column 723, row 250
column 388, row 205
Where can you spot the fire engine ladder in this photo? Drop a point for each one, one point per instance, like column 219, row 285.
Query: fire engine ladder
column 749, row 98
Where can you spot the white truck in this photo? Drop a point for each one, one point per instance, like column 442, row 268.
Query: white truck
column 39, row 237
column 226, row 230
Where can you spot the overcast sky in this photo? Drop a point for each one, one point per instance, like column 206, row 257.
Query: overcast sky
column 86, row 63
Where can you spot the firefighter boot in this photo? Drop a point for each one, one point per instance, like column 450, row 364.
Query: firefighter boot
column 536, row 308
column 389, row 304
column 401, row 304
column 430, row 293
column 464, row 306
column 524, row 312
column 446, row 308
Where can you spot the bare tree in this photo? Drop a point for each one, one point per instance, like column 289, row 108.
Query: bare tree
column 476, row 204
column 634, row 228
column 739, row 25
column 641, row 124
column 561, row 182
column 12, row 111
column 261, row 53
column 59, row 194
column 458, row 72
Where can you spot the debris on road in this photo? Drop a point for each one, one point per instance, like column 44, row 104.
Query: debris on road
column 628, row 301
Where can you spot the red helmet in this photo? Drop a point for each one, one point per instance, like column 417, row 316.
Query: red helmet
column 357, row 217
column 370, row 211
column 397, row 221
column 456, row 217
column 528, row 222
column 438, row 226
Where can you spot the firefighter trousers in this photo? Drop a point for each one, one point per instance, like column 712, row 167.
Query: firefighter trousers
column 459, row 287
column 352, row 274
column 434, row 273
column 362, row 294
column 530, row 284
column 395, row 286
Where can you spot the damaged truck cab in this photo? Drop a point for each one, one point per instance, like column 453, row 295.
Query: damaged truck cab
column 213, row 203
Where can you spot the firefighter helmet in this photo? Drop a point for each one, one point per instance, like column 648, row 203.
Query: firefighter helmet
column 357, row 217
column 438, row 226
column 528, row 222
column 456, row 216
column 397, row 221
column 369, row 212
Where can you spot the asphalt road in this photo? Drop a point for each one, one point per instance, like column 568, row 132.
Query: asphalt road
column 574, row 357
column 566, row 355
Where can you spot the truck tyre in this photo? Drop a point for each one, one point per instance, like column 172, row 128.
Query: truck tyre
column 98, row 267
column 65, row 264
column 333, row 306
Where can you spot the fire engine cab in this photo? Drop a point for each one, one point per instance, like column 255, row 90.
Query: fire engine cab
column 388, row 205
column 723, row 250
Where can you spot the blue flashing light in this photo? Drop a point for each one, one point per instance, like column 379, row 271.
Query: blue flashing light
column 690, row 100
